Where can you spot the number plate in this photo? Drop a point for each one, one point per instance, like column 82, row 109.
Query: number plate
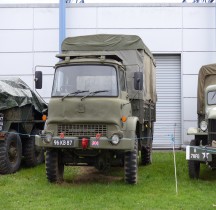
column 63, row 142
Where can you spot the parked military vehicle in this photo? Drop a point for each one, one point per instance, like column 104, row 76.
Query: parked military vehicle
column 202, row 148
column 102, row 109
column 21, row 113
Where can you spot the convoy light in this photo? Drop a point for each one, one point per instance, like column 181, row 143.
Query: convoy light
column 48, row 138
column 124, row 119
column 44, row 117
column 203, row 125
column 115, row 139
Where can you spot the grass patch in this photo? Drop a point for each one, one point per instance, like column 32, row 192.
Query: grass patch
column 88, row 189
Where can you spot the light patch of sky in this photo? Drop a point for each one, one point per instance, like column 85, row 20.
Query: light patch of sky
column 91, row 1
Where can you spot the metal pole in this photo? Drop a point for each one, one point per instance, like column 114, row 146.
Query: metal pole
column 62, row 14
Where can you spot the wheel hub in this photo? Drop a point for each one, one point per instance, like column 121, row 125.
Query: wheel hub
column 12, row 153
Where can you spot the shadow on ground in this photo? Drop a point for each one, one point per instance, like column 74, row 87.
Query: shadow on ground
column 89, row 175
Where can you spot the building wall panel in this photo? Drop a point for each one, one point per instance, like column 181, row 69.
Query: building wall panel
column 139, row 17
column 46, row 40
column 16, row 41
column 190, row 109
column 190, row 85
column 16, row 18
column 199, row 17
column 199, row 40
column 16, row 63
column 46, row 18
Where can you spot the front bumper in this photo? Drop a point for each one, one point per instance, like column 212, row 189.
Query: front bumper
column 93, row 143
column 199, row 153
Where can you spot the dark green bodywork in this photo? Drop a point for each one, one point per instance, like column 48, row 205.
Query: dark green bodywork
column 21, row 113
column 20, row 107
column 74, row 118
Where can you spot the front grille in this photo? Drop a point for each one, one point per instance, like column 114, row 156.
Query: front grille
column 82, row 130
column 211, row 130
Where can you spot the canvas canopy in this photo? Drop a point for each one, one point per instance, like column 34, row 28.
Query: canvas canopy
column 207, row 76
column 134, row 54
column 15, row 93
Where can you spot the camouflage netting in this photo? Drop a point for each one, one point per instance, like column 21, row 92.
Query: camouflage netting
column 207, row 76
column 15, row 93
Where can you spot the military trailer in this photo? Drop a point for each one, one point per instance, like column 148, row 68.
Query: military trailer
column 21, row 113
column 202, row 148
column 102, row 109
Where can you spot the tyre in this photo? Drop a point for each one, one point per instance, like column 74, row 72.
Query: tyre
column 10, row 153
column 193, row 166
column 33, row 155
column 131, row 165
column 146, row 155
column 146, row 151
column 54, row 166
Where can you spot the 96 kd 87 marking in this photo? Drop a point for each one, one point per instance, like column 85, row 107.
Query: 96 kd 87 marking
column 62, row 142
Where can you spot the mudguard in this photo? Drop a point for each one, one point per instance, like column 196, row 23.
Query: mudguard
column 130, row 131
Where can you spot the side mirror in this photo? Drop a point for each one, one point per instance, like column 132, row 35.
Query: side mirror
column 38, row 79
column 138, row 80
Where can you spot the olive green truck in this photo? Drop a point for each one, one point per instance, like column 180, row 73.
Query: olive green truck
column 102, row 109
column 202, row 148
column 21, row 112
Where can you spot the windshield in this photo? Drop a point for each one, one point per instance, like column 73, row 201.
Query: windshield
column 77, row 80
column 212, row 97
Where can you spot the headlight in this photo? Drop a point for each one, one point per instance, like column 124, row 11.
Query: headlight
column 203, row 125
column 115, row 139
column 48, row 138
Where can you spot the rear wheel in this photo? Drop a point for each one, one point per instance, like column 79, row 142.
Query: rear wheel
column 10, row 153
column 33, row 154
column 131, row 165
column 146, row 155
column 193, row 166
column 54, row 166
column 146, row 151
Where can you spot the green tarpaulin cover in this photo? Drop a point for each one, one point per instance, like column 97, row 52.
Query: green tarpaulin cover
column 105, row 42
column 15, row 93
column 207, row 76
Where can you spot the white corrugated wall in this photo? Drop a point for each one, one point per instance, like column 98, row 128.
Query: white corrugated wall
column 168, row 114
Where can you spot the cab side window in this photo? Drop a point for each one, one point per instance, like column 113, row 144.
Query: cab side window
column 122, row 80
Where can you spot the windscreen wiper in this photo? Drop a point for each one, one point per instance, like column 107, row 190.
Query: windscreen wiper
column 74, row 93
column 94, row 93
column 213, row 95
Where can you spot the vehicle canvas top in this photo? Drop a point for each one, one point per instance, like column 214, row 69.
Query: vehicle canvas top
column 104, row 42
column 207, row 76
column 134, row 54
column 15, row 93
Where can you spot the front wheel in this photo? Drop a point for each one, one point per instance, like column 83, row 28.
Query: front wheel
column 54, row 166
column 10, row 153
column 131, row 165
column 193, row 166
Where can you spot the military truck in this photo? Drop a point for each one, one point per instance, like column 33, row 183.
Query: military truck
column 202, row 148
column 21, row 113
column 102, row 109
